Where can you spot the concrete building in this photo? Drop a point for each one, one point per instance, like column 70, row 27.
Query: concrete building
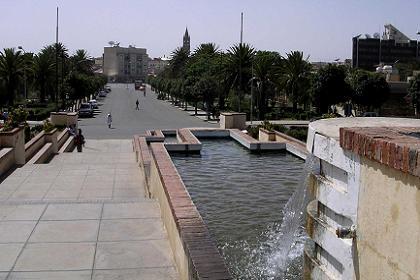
column 186, row 41
column 394, row 46
column 156, row 65
column 125, row 64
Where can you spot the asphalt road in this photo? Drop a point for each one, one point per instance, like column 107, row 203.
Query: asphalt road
column 127, row 121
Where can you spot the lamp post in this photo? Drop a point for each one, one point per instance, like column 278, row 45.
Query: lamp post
column 24, row 76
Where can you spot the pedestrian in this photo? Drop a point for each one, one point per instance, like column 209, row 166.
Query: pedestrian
column 72, row 130
column 144, row 92
column 137, row 104
column 109, row 120
column 79, row 141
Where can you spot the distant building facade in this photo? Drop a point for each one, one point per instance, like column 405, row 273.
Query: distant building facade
column 186, row 41
column 368, row 53
column 125, row 64
column 156, row 65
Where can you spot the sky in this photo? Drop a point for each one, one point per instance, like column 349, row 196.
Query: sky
column 322, row 29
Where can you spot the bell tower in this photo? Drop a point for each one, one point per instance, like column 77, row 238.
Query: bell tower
column 186, row 41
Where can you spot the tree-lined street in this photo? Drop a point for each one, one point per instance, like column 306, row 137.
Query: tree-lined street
column 127, row 121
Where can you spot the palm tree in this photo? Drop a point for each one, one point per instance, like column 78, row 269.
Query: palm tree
column 44, row 70
column 264, row 67
column 238, row 68
column 295, row 78
column 178, row 62
column 82, row 62
column 12, row 65
column 206, row 49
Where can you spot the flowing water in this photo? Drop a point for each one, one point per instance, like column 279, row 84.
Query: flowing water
column 246, row 201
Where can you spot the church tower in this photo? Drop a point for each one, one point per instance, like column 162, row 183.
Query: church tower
column 186, row 41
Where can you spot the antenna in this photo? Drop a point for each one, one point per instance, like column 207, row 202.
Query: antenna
column 242, row 26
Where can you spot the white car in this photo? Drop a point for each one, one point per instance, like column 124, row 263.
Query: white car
column 102, row 93
column 94, row 103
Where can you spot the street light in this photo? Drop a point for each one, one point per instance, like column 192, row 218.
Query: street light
column 24, row 76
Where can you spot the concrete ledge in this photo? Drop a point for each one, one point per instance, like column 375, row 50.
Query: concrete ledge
column 68, row 146
column 187, row 142
column 62, row 137
column 195, row 252
column 255, row 145
column 33, row 145
column 7, row 160
column 154, row 136
column 42, row 155
column 293, row 145
column 210, row 132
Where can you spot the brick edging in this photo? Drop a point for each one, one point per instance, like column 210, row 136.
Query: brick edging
column 204, row 258
column 391, row 146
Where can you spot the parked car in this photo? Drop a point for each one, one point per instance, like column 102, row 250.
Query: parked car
column 93, row 103
column 102, row 93
column 107, row 89
column 85, row 110
column 142, row 88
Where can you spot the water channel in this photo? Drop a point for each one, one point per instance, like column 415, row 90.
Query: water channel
column 241, row 196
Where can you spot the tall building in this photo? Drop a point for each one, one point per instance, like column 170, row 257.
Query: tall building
column 186, row 41
column 368, row 53
column 125, row 64
column 156, row 65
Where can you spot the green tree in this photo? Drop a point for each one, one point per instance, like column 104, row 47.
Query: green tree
column 264, row 75
column 414, row 94
column 178, row 62
column 371, row 91
column 12, row 67
column 238, row 68
column 81, row 62
column 44, row 73
column 204, row 90
column 330, row 87
column 295, row 78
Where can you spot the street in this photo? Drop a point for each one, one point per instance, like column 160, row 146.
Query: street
column 127, row 121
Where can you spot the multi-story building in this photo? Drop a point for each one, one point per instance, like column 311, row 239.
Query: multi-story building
column 156, row 65
column 394, row 46
column 125, row 64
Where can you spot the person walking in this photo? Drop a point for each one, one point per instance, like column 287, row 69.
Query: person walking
column 79, row 141
column 109, row 120
column 137, row 105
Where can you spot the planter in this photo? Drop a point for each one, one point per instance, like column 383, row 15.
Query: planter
column 266, row 135
column 233, row 120
column 14, row 139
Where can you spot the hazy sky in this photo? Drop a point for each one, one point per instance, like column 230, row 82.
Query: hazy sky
column 321, row 28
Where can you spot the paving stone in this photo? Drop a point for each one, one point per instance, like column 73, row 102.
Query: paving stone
column 131, row 210
column 94, row 193
column 9, row 253
column 56, row 256
column 65, row 231
column 51, row 275
column 21, row 212
column 15, row 231
column 28, row 194
column 128, row 192
column 131, row 229
column 167, row 273
column 135, row 254
column 77, row 211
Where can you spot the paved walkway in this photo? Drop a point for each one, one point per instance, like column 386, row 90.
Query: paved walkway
column 82, row 216
column 127, row 121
